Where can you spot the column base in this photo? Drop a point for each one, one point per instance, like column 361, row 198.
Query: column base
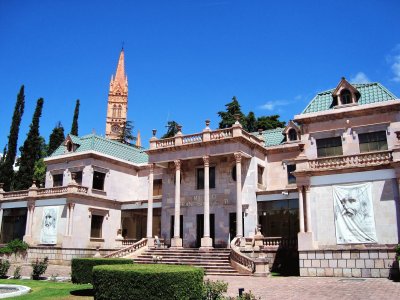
column 206, row 244
column 150, row 242
column 176, row 242
column 306, row 241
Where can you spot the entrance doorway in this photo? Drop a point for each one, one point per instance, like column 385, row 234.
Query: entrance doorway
column 200, row 229
column 173, row 225
column 232, row 224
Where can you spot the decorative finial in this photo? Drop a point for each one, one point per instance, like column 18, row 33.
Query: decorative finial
column 179, row 128
column 207, row 124
column 237, row 118
column 260, row 131
column 154, row 132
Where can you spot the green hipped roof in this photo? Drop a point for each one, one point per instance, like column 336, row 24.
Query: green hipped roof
column 272, row 137
column 370, row 93
column 105, row 146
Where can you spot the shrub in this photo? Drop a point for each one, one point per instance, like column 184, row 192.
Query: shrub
column 214, row 290
column 397, row 250
column 4, row 266
column 39, row 267
column 81, row 268
column 150, row 282
column 15, row 246
column 17, row 272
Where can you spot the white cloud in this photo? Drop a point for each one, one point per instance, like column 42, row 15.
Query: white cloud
column 396, row 68
column 271, row 105
column 360, row 78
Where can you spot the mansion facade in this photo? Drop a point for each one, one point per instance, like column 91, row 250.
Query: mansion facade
column 327, row 183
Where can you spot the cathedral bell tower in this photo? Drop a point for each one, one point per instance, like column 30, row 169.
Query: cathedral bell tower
column 117, row 106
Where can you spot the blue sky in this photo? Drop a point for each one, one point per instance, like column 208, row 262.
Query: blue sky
column 186, row 59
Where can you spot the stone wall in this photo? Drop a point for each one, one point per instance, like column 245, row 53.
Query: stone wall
column 347, row 263
column 56, row 255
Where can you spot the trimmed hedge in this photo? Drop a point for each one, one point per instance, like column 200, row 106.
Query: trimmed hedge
column 81, row 268
column 150, row 282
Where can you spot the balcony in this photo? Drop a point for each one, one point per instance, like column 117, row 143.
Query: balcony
column 370, row 159
column 207, row 135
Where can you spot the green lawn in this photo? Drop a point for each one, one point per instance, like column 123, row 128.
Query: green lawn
column 52, row 290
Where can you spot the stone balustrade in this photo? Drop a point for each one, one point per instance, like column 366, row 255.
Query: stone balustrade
column 351, row 161
column 41, row 192
column 205, row 136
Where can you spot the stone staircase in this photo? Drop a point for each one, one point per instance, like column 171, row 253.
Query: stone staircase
column 214, row 262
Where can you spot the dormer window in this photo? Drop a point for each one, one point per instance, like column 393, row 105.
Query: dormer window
column 345, row 96
column 70, row 146
column 292, row 135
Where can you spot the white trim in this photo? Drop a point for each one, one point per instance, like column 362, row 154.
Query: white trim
column 353, row 177
column 51, row 202
column 139, row 206
column 277, row 196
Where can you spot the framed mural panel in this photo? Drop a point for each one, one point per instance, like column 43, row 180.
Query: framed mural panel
column 354, row 214
column 48, row 233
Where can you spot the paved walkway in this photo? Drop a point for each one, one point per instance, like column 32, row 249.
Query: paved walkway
column 297, row 288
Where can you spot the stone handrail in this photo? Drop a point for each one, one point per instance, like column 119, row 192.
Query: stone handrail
column 251, row 137
column 15, row 194
column 239, row 258
column 348, row 161
column 44, row 191
column 276, row 242
column 221, row 134
column 193, row 138
column 128, row 242
column 165, row 143
column 53, row 190
column 127, row 250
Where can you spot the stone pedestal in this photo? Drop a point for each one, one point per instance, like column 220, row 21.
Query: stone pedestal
column 261, row 267
column 176, row 242
column 150, row 242
column 306, row 241
column 206, row 243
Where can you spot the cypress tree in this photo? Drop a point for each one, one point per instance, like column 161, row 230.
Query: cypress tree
column 56, row 138
column 74, row 128
column 31, row 151
column 6, row 168
column 228, row 116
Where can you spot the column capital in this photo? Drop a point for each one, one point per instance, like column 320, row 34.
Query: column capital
column 206, row 160
column 178, row 163
column 300, row 189
column 238, row 157
column 307, row 188
column 71, row 205
column 151, row 167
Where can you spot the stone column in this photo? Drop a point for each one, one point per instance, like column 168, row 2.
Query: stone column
column 150, row 240
column 301, row 209
column 71, row 218
column 308, row 209
column 239, row 219
column 206, row 241
column 68, row 220
column 176, row 241
column 29, row 219
column 1, row 217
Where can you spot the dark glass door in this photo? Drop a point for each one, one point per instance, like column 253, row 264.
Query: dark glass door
column 200, row 228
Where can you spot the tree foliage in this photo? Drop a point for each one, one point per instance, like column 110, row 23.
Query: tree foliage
column 56, row 138
column 6, row 167
column 31, row 151
column 250, row 122
column 172, row 129
column 74, row 127
column 126, row 135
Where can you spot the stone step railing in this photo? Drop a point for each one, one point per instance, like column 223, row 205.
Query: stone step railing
column 351, row 161
column 128, row 250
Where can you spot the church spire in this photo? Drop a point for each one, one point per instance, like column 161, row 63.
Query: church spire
column 117, row 107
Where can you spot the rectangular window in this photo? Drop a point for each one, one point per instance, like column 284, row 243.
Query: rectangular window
column 78, row 177
column 373, row 141
column 58, row 180
column 98, row 180
column 96, row 226
column 260, row 172
column 329, row 147
column 157, row 187
column 200, row 178
column 290, row 176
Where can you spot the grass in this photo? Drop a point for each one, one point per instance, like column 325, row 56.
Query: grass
column 52, row 290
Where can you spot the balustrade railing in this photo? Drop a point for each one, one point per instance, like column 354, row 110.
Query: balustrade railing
column 44, row 191
column 221, row 134
column 165, row 143
column 15, row 194
column 128, row 250
column 193, row 138
column 53, row 190
column 348, row 161
column 240, row 258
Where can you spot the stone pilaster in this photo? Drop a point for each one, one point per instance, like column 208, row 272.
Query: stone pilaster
column 206, row 241
column 176, row 241
column 150, row 241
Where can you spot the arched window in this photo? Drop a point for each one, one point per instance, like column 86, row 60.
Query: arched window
column 114, row 111
column 345, row 97
column 119, row 111
column 292, row 134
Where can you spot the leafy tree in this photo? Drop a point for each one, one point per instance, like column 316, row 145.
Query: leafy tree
column 228, row 116
column 6, row 167
column 31, row 151
column 56, row 138
column 39, row 172
column 251, row 122
column 172, row 129
column 126, row 133
column 74, row 128
column 270, row 122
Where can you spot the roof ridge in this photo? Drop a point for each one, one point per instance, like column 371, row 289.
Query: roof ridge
column 119, row 144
